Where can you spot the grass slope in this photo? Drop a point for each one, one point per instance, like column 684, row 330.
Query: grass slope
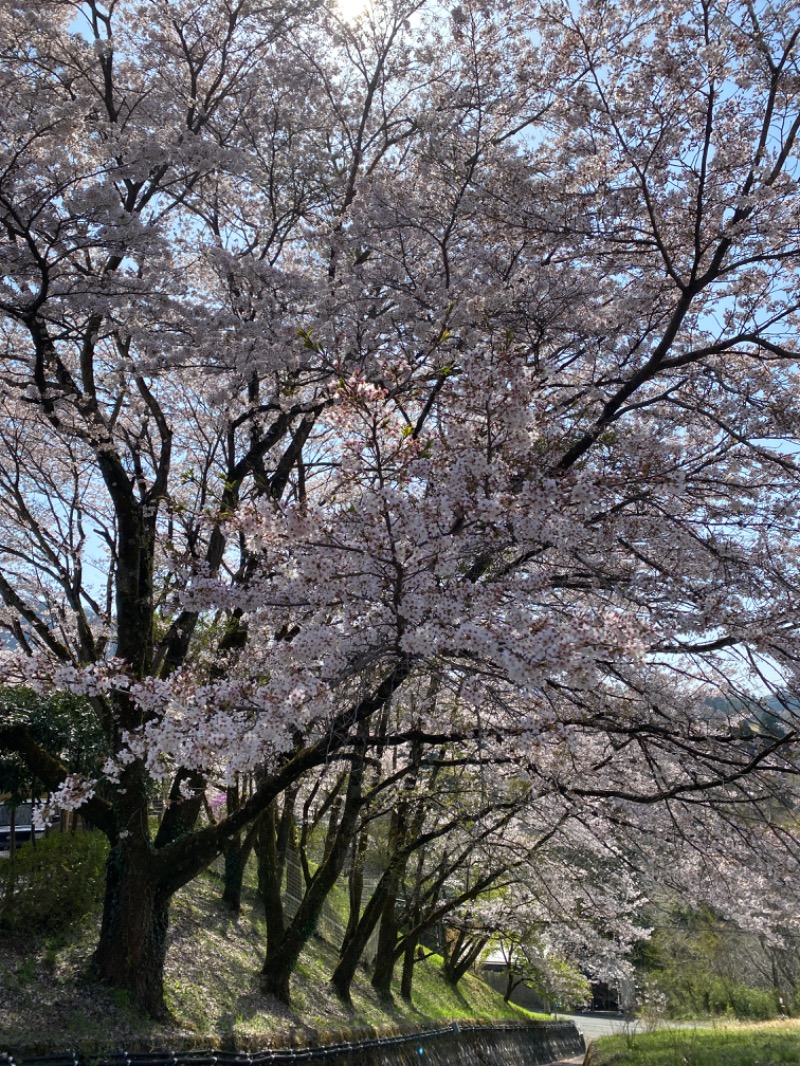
column 49, row 1000
column 768, row 1044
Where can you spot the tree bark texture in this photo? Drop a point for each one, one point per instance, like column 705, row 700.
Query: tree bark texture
column 133, row 939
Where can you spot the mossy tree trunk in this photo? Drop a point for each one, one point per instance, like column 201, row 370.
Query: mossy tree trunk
column 353, row 948
column 409, row 962
column 387, row 943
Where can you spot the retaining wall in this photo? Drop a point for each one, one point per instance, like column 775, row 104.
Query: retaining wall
column 533, row 1044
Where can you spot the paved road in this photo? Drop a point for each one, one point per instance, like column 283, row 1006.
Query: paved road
column 598, row 1023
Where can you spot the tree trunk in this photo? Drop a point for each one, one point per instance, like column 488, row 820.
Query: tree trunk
column 389, row 927
column 355, row 887
column 133, row 936
column 232, row 875
column 353, row 947
column 133, row 939
column 236, row 851
column 332, row 828
column 409, row 961
column 235, row 855
column 452, row 950
column 283, row 955
column 269, row 877
column 387, row 944
column 463, row 954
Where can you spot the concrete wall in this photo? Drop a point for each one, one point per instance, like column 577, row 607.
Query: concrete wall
column 534, row 1044
column 515, row 1044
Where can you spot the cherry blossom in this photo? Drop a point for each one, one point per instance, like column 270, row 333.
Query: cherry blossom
column 345, row 360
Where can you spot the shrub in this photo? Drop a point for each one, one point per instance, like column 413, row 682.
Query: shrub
column 699, row 993
column 59, row 881
column 703, row 966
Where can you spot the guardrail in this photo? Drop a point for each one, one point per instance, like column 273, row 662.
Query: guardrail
column 560, row 1038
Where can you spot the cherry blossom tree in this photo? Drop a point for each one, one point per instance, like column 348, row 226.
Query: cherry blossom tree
column 446, row 345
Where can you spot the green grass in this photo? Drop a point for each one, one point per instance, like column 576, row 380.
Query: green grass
column 223, row 1001
column 211, row 986
column 769, row 1044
